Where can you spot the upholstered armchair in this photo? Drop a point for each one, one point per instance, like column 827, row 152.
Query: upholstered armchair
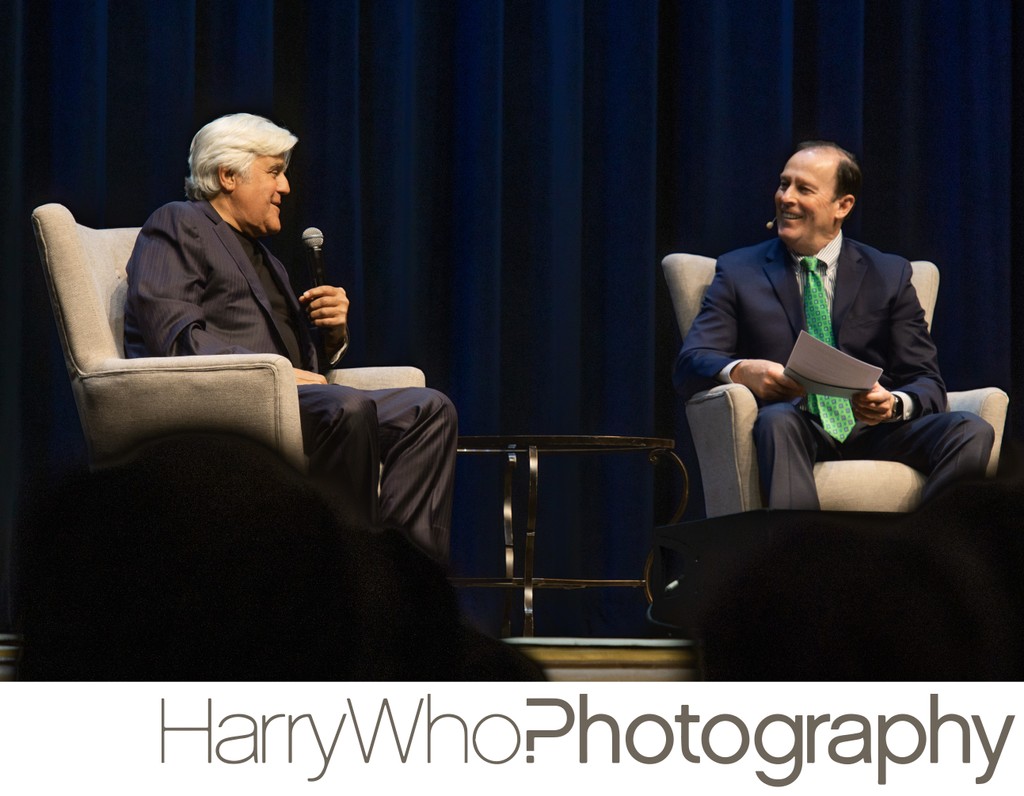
column 721, row 421
column 124, row 402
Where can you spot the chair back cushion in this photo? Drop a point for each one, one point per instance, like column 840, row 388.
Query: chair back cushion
column 926, row 282
column 689, row 275
column 85, row 274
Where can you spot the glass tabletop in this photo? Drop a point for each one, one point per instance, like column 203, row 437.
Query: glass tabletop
column 573, row 443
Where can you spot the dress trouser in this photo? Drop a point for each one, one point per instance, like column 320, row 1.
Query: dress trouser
column 387, row 455
column 945, row 446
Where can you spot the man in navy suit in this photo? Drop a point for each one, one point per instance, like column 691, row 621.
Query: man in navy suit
column 753, row 312
column 201, row 281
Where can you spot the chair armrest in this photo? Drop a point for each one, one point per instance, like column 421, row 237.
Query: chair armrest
column 377, row 378
column 721, row 423
column 125, row 402
column 989, row 403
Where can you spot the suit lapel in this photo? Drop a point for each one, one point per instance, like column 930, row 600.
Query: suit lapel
column 779, row 271
column 229, row 240
column 285, row 285
column 848, row 280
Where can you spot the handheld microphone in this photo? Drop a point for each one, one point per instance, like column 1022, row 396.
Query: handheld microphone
column 314, row 242
column 313, row 239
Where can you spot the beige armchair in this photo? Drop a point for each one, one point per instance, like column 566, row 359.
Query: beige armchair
column 721, row 421
column 124, row 402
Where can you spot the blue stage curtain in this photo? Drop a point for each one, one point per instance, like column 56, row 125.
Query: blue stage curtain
column 497, row 182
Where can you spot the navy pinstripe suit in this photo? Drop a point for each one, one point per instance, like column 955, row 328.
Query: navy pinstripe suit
column 193, row 290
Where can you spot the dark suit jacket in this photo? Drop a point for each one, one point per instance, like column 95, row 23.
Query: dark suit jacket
column 753, row 310
column 193, row 290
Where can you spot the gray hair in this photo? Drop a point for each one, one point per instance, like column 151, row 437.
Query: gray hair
column 233, row 141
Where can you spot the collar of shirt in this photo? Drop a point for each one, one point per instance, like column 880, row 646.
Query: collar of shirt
column 828, row 255
column 248, row 245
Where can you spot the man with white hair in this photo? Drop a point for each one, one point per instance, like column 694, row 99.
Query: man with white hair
column 201, row 281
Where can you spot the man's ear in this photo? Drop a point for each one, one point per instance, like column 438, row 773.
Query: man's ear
column 228, row 179
column 845, row 205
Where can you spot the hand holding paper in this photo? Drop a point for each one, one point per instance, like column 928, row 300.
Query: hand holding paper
column 766, row 379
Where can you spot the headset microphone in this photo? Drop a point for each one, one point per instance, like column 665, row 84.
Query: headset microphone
column 770, row 224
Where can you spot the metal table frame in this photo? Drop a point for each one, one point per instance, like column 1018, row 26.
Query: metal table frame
column 512, row 447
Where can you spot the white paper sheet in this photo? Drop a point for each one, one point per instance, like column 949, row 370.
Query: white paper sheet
column 824, row 370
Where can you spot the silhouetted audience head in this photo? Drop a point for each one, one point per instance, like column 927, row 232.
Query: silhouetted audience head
column 934, row 595
column 208, row 558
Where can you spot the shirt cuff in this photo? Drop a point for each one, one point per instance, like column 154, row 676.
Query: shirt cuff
column 725, row 374
column 341, row 351
column 909, row 407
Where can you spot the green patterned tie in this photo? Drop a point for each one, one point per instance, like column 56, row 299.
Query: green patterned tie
column 836, row 413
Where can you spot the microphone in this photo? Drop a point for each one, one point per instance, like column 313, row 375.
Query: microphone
column 770, row 224
column 314, row 242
